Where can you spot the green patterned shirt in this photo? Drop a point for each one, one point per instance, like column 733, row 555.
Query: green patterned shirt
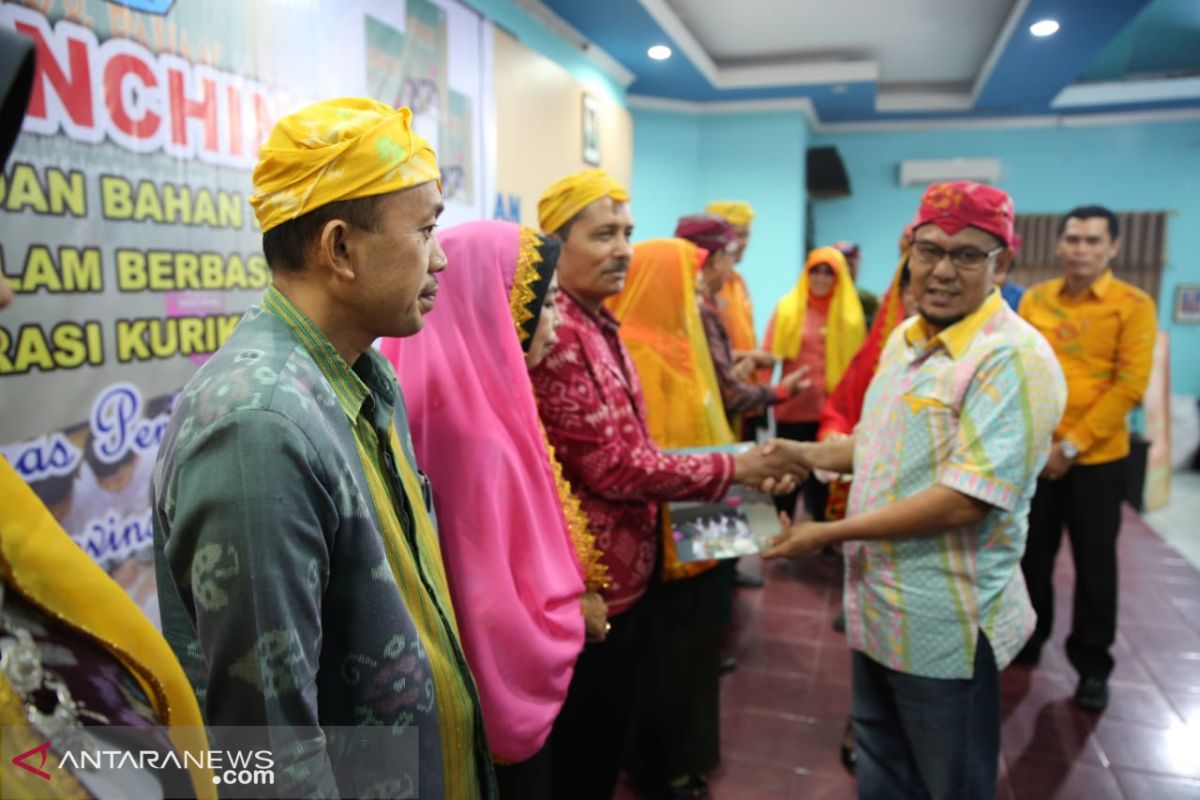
column 285, row 591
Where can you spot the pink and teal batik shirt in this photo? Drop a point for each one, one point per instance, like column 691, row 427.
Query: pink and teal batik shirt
column 971, row 408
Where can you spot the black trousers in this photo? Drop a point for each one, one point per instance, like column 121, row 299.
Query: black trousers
column 816, row 494
column 1087, row 500
column 589, row 736
column 675, row 728
column 525, row 780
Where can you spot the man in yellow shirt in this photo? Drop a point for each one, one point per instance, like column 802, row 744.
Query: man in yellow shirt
column 1103, row 331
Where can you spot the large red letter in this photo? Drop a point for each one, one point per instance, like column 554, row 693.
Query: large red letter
column 72, row 87
column 115, row 71
column 183, row 107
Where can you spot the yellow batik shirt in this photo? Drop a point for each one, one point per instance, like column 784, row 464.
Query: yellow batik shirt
column 1104, row 340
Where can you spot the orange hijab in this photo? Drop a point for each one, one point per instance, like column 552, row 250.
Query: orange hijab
column 737, row 314
column 662, row 329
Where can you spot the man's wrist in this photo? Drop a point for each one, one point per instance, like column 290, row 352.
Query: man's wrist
column 738, row 468
column 834, row 532
column 796, row 454
column 809, row 454
column 1068, row 448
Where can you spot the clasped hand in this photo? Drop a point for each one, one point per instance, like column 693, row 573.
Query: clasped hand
column 776, row 467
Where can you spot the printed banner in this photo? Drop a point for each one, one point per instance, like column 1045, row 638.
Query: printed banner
column 125, row 227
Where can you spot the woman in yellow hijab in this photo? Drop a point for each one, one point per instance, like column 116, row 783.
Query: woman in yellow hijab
column 818, row 325
column 69, row 632
column 674, row 739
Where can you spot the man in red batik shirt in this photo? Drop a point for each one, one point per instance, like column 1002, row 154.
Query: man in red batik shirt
column 590, row 400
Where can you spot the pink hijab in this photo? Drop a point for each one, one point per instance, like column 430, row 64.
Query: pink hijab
column 512, row 567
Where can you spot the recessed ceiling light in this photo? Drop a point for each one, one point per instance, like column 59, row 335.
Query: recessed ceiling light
column 1045, row 27
column 660, row 52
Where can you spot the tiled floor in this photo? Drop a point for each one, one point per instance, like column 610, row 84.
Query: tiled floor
column 783, row 709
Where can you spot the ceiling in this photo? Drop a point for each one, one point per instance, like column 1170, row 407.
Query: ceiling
column 1164, row 41
column 733, row 34
column 856, row 61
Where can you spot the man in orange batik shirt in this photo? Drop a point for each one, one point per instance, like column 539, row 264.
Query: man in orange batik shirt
column 1103, row 331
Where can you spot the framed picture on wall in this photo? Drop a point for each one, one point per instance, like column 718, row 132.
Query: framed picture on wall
column 590, row 126
column 1187, row 302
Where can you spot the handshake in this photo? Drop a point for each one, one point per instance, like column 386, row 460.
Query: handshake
column 777, row 467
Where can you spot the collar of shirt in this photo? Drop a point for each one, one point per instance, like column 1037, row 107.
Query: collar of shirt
column 370, row 379
column 1099, row 288
column 602, row 318
column 956, row 338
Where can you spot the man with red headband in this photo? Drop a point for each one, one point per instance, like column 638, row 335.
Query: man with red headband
column 955, row 428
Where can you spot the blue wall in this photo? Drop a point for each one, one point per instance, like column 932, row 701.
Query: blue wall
column 666, row 173
column 1047, row 170
column 682, row 161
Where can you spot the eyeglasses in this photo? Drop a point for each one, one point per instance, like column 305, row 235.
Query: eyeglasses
column 961, row 257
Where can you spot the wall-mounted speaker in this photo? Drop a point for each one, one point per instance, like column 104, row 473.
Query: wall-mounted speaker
column 826, row 174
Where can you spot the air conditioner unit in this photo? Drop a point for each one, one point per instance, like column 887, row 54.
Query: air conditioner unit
column 921, row 172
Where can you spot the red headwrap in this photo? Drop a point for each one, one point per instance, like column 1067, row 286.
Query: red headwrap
column 958, row 204
column 711, row 232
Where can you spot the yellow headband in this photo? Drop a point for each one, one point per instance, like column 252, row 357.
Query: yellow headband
column 567, row 197
column 340, row 149
column 735, row 212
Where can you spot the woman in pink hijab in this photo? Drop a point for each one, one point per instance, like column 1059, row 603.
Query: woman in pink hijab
column 523, row 570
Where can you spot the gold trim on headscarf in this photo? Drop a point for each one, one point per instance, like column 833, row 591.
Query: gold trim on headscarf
column 845, row 327
column 568, row 196
column 522, row 294
column 595, row 573
column 735, row 212
column 339, row 149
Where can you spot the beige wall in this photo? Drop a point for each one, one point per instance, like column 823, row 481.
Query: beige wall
column 539, row 135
